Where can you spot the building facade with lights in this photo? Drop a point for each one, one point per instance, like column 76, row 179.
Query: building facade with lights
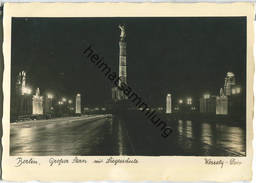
column 230, row 101
column 48, row 104
column 237, row 101
column 207, row 104
column 21, row 100
column 222, row 104
column 186, row 105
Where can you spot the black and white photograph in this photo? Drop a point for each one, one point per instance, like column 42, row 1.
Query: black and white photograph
column 136, row 86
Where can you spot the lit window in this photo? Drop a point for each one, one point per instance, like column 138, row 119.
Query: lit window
column 50, row 96
column 233, row 91
column 26, row 90
column 189, row 101
column 238, row 90
column 206, row 96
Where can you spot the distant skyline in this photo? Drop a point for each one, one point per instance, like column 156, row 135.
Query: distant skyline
column 182, row 56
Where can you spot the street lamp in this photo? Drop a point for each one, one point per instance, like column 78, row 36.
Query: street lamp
column 60, row 102
column 70, row 101
column 64, row 99
column 180, row 101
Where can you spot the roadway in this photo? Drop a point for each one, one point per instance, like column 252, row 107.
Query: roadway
column 107, row 135
column 85, row 135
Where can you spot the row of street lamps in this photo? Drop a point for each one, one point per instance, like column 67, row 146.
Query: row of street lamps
column 189, row 101
column 28, row 91
column 64, row 100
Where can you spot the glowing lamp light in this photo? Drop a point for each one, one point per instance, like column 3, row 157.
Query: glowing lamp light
column 230, row 74
column 70, row 101
column 64, row 99
column 233, row 91
column 189, row 101
column 50, row 96
column 180, row 101
column 26, row 90
column 60, row 102
column 176, row 108
column 206, row 96
column 238, row 90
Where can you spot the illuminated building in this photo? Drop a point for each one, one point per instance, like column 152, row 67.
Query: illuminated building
column 189, row 101
column 48, row 107
column 37, row 103
column 222, row 104
column 230, row 101
column 229, row 83
column 186, row 105
column 78, row 103
column 21, row 100
column 236, row 90
column 168, row 104
column 208, row 104
column 237, row 102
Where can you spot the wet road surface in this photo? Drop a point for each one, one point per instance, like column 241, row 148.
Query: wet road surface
column 108, row 135
column 67, row 136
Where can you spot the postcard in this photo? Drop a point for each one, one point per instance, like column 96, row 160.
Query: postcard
column 127, row 91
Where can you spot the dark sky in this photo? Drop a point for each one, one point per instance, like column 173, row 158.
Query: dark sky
column 185, row 56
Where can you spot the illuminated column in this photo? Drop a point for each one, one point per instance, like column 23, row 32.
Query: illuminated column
column 23, row 82
column 168, row 104
column 78, row 104
column 37, row 103
column 122, row 60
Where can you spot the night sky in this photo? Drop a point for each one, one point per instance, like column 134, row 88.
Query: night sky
column 183, row 56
